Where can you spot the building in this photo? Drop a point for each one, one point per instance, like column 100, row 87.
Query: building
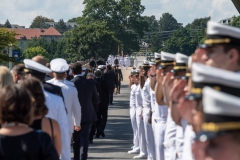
column 25, row 34
column 13, row 26
column 226, row 21
column 70, row 25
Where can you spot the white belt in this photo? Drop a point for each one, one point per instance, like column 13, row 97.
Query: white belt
column 156, row 119
column 168, row 144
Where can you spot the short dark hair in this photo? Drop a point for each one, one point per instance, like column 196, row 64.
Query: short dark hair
column 228, row 47
column 109, row 67
column 34, row 86
column 98, row 73
column 19, row 68
column 76, row 68
column 16, row 105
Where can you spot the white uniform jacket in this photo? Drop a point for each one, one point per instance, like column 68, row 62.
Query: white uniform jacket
column 56, row 111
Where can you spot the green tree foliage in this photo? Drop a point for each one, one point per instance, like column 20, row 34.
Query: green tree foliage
column 7, row 24
column 180, row 42
column 38, row 22
column 123, row 18
column 156, row 43
column 152, row 23
column 167, row 22
column 7, row 39
column 36, row 51
column 61, row 26
column 235, row 22
column 91, row 40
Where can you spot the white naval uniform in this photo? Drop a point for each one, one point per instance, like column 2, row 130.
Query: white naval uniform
column 71, row 102
column 112, row 60
column 135, row 63
column 121, row 63
column 170, row 138
column 189, row 136
column 56, row 111
column 148, row 127
column 180, row 139
column 133, row 116
column 109, row 60
column 159, row 119
column 140, row 125
column 127, row 62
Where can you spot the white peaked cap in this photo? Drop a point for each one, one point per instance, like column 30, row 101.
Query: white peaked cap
column 58, row 59
column 100, row 67
column 30, row 64
column 214, row 28
column 206, row 74
column 157, row 55
column 165, row 56
column 181, row 58
column 220, row 103
column 59, row 65
column 145, row 61
column 151, row 63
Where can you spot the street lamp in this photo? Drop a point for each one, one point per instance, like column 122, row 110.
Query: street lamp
column 10, row 55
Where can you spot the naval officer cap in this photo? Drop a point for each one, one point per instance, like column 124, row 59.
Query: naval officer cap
column 167, row 59
column 180, row 63
column 146, row 64
column 221, row 114
column 35, row 67
column 218, row 79
column 100, row 67
column 59, row 65
column 157, row 57
column 218, row 34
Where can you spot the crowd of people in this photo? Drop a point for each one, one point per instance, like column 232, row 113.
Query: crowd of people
column 47, row 107
column 188, row 108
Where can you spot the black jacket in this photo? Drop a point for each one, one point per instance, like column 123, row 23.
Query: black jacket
column 88, row 98
column 111, row 78
column 105, row 92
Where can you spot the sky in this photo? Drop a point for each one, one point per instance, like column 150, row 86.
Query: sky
column 22, row 12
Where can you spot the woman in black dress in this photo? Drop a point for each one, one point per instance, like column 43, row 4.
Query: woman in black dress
column 17, row 140
column 40, row 122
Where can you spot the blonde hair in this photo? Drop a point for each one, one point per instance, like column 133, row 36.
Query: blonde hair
column 5, row 77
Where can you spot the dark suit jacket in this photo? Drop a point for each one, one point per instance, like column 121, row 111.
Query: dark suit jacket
column 105, row 92
column 118, row 73
column 111, row 78
column 88, row 98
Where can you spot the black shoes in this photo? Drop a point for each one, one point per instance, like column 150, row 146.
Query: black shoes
column 100, row 133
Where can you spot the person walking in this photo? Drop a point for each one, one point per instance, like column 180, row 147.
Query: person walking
column 110, row 77
column 102, row 113
column 88, row 98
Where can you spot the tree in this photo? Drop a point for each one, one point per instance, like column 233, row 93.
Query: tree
column 123, row 18
column 180, row 41
column 156, row 43
column 91, row 41
column 7, row 39
column 167, row 22
column 152, row 23
column 61, row 26
column 35, row 51
column 38, row 22
column 235, row 22
column 7, row 24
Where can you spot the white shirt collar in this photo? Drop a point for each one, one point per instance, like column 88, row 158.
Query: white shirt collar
column 78, row 75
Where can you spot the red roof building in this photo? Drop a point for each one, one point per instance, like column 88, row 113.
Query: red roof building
column 25, row 34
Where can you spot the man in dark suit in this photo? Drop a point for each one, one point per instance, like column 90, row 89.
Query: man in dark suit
column 118, row 73
column 88, row 98
column 102, row 113
column 91, row 77
column 110, row 77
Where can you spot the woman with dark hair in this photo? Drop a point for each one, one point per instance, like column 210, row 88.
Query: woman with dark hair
column 17, row 139
column 40, row 122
